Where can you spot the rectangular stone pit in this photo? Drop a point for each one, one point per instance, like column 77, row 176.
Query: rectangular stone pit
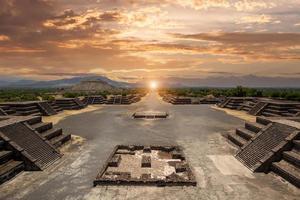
column 150, row 115
column 146, row 165
column 146, row 161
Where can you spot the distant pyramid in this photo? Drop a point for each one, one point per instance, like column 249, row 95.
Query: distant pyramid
column 92, row 86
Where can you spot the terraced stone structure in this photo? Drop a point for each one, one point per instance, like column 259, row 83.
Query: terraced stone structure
column 263, row 106
column 270, row 144
column 90, row 100
column 134, row 98
column 26, row 143
column 272, row 108
column 70, row 103
column 37, row 108
column 118, row 99
column 209, row 101
column 235, row 103
column 146, row 165
column 177, row 100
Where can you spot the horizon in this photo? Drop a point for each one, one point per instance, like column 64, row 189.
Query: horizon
column 134, row 40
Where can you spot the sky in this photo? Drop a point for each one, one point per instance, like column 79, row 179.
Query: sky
column 132, row 40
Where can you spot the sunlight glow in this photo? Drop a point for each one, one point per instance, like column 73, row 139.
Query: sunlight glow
column 153, row 85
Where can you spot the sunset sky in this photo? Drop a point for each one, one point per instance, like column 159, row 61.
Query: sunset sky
column 131, row 40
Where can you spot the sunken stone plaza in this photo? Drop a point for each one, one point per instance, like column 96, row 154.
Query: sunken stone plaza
column 149, row 149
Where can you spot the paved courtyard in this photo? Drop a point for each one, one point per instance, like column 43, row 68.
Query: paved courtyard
column 197, row 128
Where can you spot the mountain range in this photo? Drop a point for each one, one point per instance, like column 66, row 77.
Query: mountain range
column 217, row 81
column 61, row 83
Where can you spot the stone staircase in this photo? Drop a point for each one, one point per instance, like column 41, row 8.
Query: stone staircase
column 35, row 108
column 55, row 107
column 289, row 166
column 54, row 135
column 277, row 109
column 69, row 103
column 27, row 143
column 10, row 165
column 90, row 100
column 177, row 100
column 243, row 135
column 46, row 108
column 118, row 100
column 270, row 144
column 257, row 108
column 235, row 103
column 7, row 110
column 42, row 153
column 248, row 105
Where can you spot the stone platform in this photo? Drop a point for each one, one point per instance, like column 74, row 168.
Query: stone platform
column 146, row 165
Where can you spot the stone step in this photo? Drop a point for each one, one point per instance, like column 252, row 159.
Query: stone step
column 27, row 139
column 51, row 133
column 2, row 144
column 237, row 140
column 288, row 114
column 292, row 157
column 10, row 169
column 278, row 112
column 26, row 108
column 29, row 112
column 245, row 133
column 296, row 144
column 10, row 111
column 287, row 171
column 247, row 109
column 280, row 107
column 268, row 114
column 231, row 107
column 42, row 126
column 254, row 127
column 60, row 140
column 262, row 120
column 5, row 156
column 34, row 120
column 296, row 110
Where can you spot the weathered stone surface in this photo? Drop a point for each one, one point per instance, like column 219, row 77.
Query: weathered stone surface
column 115, row 160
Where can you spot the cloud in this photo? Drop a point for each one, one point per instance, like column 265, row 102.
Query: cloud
column 4, row 38
column 251, row 46
column 251, row 5
column 122, row 37
column 256, row 19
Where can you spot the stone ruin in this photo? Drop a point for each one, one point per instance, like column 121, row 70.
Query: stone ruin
column 270, row 144
column 91, row 100
column 70, row 103
column 36, row 108
column 120, row 99
column 146, row 165
column 263, row 106
column 27, row 143
column 177, row 100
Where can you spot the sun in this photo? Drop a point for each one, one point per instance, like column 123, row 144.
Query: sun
column 153, row 85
